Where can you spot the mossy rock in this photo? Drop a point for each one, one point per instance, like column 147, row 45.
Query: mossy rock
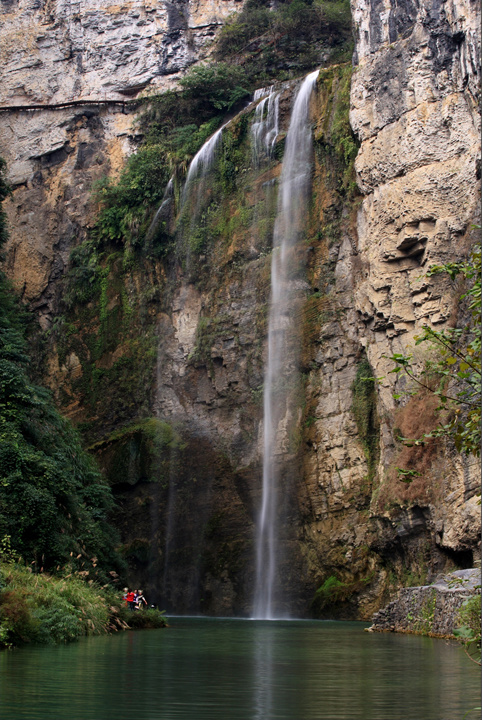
column 137, row 453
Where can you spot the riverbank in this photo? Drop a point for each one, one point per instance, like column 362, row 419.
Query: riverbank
column 38, row 608
column 432, row 610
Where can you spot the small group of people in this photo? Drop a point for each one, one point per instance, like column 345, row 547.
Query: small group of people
column 135, row 599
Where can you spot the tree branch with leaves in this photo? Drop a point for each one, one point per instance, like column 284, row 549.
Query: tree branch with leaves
column 454, row 373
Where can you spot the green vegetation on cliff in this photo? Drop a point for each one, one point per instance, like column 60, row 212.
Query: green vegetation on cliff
column 139, row 452
column 333, row 597
column 4, row 193
column 278, row 41
column 260, row 45
column 53, row 500
column 468, row 631
column 452, row 375
column 364, row 408
column 174, row 126
column 54, row 508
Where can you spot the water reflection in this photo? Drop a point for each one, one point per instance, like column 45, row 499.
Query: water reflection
column 263, row 673
column 242, row 670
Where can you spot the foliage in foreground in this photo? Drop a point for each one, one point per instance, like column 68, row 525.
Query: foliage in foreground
column 42, row 608
column 454, row 373
column 469, row 628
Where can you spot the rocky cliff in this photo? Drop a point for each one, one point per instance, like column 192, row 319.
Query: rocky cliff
column 415, row 106
column 163, row 367
column 57, row 53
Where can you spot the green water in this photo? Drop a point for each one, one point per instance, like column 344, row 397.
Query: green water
column 203, row 669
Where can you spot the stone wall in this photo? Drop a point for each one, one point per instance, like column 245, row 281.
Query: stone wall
column 431, row 609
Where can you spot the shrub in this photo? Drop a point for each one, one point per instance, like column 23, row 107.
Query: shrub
column 16, row 622
column 334, row 592
column 57, row 623
column 41, row 608
column 453, row 374
column 214, row 87
column 364, row 408
column 469, row 628
column 126, row 205
column 331, row 592
column 273, row 43
column 252, row 22
column 149, row 619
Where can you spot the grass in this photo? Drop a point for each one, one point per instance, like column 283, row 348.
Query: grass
column 50, row 609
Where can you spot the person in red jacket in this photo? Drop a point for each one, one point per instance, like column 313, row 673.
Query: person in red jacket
column 130, row 600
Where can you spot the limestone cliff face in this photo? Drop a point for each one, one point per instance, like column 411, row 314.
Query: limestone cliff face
column 54, row 53
column 415, row 107
column 181, row 439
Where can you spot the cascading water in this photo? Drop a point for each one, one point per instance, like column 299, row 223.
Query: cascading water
column 198, row 170
column 162, row 210
column 282, row 358
column 196, row 194
column 263, row 135
column 265, row 124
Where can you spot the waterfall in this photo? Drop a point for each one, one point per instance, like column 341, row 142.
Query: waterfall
column 196, row 196
column 265, row 124
column 282, row 358
column 263, row 135
column 163, row 209
column 198, row 170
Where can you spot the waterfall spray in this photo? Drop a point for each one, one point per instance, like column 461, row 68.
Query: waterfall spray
column 281, row 363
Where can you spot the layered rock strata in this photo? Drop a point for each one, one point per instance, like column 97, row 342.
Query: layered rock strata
column 415, row 107
column 96, row 56
column 61, row 51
